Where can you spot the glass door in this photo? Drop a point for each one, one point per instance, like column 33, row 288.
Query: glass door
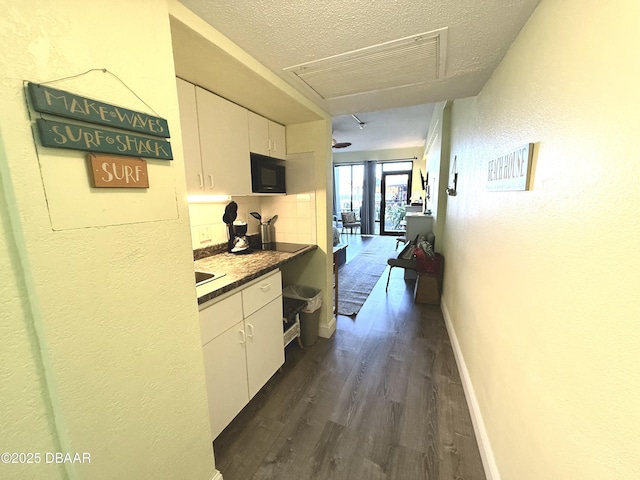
column 396, row 191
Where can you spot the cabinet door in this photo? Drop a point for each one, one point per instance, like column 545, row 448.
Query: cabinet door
column 258, row 134
column 265, row 350
column 266, row 137
column 226, row 377
column 224, row 145
column 190, row 136
column 277, row 140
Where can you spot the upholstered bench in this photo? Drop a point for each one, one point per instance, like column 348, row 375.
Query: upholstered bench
column 418, row 255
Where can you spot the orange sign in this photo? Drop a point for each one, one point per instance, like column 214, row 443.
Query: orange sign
column 108, row 171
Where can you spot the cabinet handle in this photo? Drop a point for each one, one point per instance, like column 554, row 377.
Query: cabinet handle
column 250, row 328
column 274, row 147
column 269, row 144
column 265, row 287
column 243, row 338
column 200, row 180
column 210, row 180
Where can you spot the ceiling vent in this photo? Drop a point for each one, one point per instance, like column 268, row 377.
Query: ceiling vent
column 409, row 61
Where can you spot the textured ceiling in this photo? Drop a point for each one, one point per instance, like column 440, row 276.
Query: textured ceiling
column 283, row 34
column 388, row 129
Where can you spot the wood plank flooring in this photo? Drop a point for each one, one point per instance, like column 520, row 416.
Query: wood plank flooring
column 380, row 400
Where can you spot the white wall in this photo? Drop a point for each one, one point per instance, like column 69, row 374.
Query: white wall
column 25, row 417
column 379, row 155
column 100, row 338
column 309, row 144
column 438, row 168
column 541, row 286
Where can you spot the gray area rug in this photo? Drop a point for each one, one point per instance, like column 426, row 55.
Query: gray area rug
column 358, row 277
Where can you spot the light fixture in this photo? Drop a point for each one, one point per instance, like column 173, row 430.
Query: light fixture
column 208, row 198
column 361, row 124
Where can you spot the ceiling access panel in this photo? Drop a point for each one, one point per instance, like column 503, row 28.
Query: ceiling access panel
column 409, row 61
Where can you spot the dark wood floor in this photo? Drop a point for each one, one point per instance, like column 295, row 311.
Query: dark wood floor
column 380, row 400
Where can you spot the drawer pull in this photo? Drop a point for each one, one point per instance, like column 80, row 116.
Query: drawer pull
column 243, row 338
column 265, row 287
column 250, row 328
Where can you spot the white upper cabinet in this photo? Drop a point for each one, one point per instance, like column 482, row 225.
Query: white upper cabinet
column 278, row 142
column 224, row 145
column 266, row 137
column 217, row 138
column 190, row 136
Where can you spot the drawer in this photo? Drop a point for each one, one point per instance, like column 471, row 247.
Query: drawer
column 219, row 317
column 265, row 290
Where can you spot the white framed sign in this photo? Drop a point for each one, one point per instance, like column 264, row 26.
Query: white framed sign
column 511, row 171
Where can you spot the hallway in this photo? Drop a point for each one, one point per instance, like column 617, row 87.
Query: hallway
column 381, row 399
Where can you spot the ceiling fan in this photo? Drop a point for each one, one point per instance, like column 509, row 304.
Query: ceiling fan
column 335, row 144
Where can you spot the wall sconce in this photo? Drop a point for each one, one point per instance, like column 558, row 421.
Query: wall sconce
column 451, row 190
column 425, row 186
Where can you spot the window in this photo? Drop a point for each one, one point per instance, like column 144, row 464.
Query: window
column 390, row 203
column 349, row 185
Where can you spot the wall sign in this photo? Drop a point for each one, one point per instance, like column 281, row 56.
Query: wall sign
column 511, row 171
column 125, row 172
column 69, row 105
column 92, row 139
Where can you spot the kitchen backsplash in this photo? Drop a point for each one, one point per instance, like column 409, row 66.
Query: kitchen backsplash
column 296, row 218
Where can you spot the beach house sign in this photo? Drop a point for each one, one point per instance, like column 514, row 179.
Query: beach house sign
column 511, row 171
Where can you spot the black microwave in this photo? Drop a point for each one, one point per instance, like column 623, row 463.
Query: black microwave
column 267, row 174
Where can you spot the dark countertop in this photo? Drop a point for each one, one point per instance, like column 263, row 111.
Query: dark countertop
column 241, row 269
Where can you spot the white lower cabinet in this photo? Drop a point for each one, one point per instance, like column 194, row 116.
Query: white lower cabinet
column 265, row 353
column 226, row 374
column 242, row 346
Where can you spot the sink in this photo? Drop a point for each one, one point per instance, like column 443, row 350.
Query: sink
column 204, row 277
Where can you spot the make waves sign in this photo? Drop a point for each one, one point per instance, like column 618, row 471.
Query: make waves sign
column 511, row 171
column 148, row 140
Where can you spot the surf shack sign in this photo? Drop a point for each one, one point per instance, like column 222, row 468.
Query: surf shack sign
column 511, row 171
column 92, row 139
column 131, row 133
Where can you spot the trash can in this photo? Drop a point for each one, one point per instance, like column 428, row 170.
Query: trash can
column 310, row 315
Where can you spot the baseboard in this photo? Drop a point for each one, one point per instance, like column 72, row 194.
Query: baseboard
column 325, row 331
column 217, row 476
column 484, row 445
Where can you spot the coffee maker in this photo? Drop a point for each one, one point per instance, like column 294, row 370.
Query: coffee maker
column 240, row 241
